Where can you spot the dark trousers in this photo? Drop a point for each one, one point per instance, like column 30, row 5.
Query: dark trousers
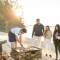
column 57, row 49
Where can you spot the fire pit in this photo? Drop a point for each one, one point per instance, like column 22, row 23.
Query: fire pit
column 29, row 53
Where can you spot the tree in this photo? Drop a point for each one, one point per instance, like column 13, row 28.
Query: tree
column 7, row 15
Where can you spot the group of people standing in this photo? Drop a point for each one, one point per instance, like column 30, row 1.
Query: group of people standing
column 38, row 31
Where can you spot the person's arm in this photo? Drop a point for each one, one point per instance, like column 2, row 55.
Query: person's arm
column 33, row 31
column 44, row 34
column 20, row 38
column 54, row 38
column 51, row 33
column 43, row 28
column 58, row 37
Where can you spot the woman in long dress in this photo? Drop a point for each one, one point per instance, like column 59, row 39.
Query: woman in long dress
column 47, row 41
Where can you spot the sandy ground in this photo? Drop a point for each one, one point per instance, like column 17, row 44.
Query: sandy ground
column 26, row 42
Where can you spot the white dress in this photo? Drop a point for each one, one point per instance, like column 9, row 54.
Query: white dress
column 47, row 42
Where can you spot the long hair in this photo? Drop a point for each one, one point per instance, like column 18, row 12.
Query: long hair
column 48, row 28
column 58, row 26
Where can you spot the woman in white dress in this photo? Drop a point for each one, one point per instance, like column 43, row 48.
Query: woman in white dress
column 47, row 41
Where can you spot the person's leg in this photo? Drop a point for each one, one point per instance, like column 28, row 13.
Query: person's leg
column 56, row 51
column 49, row 47
column 39, row 42
column 12, row 40
column 16, row 44
column 59, row 51
column 13, row 45
column 46, row 46
column 34, row 42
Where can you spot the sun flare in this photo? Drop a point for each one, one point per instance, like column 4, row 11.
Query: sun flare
column 46, row 10
column 18, row 12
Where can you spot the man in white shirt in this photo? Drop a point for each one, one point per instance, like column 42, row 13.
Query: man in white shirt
column 13, row 36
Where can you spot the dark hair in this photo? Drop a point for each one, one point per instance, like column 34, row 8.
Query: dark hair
column 46, row 30
column 48, row 27
column 57, row 25
column 37, row 19
column 56, row 31
column 24, row 30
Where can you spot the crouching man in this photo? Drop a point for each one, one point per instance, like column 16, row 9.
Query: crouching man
column 13, row 37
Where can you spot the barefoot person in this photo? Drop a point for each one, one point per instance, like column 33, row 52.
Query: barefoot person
column 47, row 41
column 56, row 40
column 13, row 36
column 37, row 33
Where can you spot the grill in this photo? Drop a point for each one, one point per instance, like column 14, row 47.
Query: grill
column 30, row 53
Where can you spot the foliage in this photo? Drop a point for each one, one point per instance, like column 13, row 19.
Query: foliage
column 8, row 19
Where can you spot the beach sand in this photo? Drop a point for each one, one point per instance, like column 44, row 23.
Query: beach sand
column 26, row 42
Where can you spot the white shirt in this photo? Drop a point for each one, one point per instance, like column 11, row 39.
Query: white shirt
column 16, row 31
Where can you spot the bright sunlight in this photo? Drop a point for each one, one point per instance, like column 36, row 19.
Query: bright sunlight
column 47, row 10
column 18, row 12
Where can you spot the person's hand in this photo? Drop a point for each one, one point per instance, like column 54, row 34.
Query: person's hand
column 21, row 45
column 58, row 37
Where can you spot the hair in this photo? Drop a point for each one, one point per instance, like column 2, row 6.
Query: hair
column 48, row 27
column 57, row 25
column 24, row 30
column 37, row 19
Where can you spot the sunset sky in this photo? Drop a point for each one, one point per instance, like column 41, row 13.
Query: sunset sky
column 47, row 10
